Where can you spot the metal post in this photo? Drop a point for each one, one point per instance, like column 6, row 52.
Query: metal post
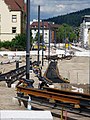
column 65, row 115
column 55, row 38
column 28, row 40
column 38, row 32
column 68, row 41
column 49, row 42
column 65, row 41
column 62, row 113
column 17, row 64
column 77, row 77
column 42, row 41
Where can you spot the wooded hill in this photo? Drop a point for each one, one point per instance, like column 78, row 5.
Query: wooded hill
column 73, row 19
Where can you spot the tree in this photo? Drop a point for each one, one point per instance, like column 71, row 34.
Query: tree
column 0, row 44
column 5, row 44
column 36, row 38
column 19, row 42
column 65, row 32
column 73, row 19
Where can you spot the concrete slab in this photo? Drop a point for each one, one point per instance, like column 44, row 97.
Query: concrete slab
column 25, row 115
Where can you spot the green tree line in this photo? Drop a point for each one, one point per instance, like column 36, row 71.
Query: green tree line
column 66, row 32
column 72, row 19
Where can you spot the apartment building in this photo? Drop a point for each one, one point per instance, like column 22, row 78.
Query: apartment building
column 49, row 30
column 85, row 31
column 89, row 37
column 12, row 18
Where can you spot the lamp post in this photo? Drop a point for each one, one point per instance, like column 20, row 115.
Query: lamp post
column 28, row 40
column 49, row 43
column 38, row 33
column 65, row 40
column 42, row 41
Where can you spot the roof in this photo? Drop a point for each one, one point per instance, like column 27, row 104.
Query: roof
column 15, row 5
column 87, row 16
column 46, row 25
column 35, row 24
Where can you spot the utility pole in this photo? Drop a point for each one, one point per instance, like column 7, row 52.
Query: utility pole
column 38, row 32
column 28, row 40
column 65, row 40
column 49, row 43
column 42, row 41
column 68, row 41
column 54, row 38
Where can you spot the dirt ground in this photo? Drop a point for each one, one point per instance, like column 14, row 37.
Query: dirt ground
column 76, row 70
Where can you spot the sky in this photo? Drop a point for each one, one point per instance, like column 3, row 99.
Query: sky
column 52, row 8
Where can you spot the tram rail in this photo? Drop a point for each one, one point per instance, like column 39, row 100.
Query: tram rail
column 56, row 98
column 13, row 75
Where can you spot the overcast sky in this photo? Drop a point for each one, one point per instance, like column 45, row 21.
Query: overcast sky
column 51, row 8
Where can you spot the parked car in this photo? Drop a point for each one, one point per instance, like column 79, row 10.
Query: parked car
column 35, row 47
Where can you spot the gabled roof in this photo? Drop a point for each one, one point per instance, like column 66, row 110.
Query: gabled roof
column 35, row 24
column 15, row 5
column 46, row 25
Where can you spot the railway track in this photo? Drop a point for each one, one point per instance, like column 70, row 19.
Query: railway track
column 55, row 98
column 51, row 75
column 13, row 75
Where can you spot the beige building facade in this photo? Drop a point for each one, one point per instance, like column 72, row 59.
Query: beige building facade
column 10, row 20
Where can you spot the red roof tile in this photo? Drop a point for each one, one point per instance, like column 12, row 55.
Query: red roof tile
column 35, row 24
column 46, row 24
column 17, row 5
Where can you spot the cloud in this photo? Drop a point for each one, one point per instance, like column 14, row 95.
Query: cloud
column 51, row 8
column 61, row 6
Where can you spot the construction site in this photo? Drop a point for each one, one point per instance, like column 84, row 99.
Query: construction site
column 43, row 83
column 60, row 86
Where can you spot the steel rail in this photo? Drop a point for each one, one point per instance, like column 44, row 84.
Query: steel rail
column 56, row 106
column 79, row 103
column 13, row 75
column 82, row 95
column 57, row 96
column 49, row 95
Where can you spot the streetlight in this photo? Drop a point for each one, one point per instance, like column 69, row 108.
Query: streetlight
column 38, row 33
column 28, row 40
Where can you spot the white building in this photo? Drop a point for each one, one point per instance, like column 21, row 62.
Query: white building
column 49, row 29
column 12, row 16
column 85, row 31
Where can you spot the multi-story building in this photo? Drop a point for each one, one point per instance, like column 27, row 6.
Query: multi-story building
column 89, row 37
column 85, row 31
column 12, row 18
column 49, row 30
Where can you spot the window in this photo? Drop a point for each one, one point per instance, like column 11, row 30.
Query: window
column 13, row 29
column 35, row 29
column 45, row 33
column 14, row 18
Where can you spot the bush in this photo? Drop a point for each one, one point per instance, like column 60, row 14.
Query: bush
column 17, row 43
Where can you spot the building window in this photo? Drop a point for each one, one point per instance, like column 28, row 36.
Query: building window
column 45, row 33
column 13, row 29
column 0, row 17
column 35, row 29
column 14, row 18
